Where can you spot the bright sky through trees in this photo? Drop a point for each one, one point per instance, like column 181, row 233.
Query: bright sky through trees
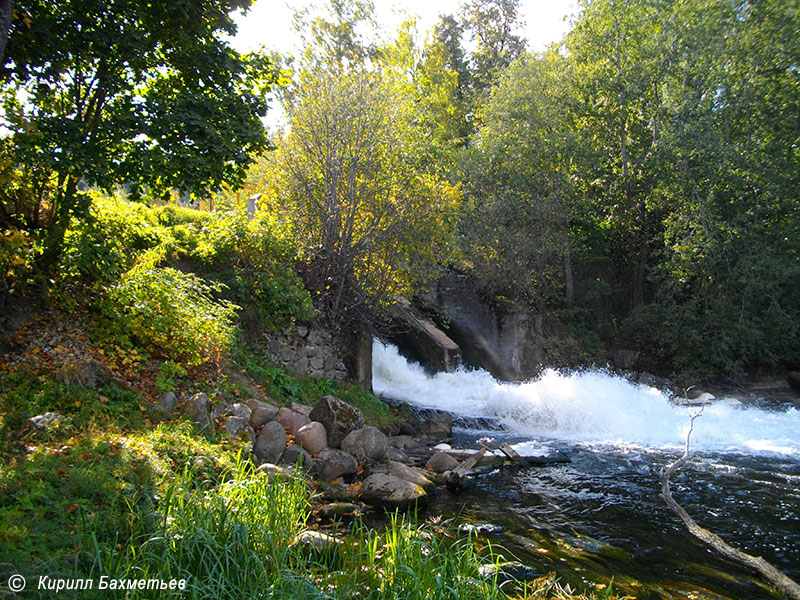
column 269, row 22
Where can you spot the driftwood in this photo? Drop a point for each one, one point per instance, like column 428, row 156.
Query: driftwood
column 466, row 466
column 779, row 580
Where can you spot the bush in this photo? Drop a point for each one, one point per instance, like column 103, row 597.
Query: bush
column 171, row 314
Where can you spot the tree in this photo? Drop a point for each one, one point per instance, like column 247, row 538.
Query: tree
column 518, row 184
column 337, row 40
column 352, row 179
column 491, row 24
column 125, row 91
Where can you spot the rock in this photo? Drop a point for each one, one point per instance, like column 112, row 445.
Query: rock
column 410, row 474
column 793, row 379
column 332, row 464
column 238, row 409
column 366, row 443
column 318, row 542
column 239, row 428
column 337, row 491
column 87, row 373
column 291, row 420
column 303, row 409
column 340, row 511
column 438, row 424
column 43, row 421
column 261, row 413
column 270, row 443
column 295, row 454
column 339, row 418
column 441, row 462
column 508, row 571
column 272, row 471
column 164, row 407
column 197, row 409
column 442, row 447
column 482, row 528
column 701, row 400
column 695, row 393
column 313, row 437
column 406, row 443
column 166, row 403
column 397, row 455
column 658, row 383
column 391, row 492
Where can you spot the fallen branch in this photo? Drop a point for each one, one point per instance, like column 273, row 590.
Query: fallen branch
column 779, row 580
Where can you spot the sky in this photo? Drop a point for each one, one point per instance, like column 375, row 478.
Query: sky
column 269, row 22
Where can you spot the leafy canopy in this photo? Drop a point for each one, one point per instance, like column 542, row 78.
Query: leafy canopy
column 123, row 91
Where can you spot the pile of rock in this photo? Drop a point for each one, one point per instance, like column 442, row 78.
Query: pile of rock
column 330, row 441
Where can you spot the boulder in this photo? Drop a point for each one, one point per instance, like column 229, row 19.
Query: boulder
column 270, row 443
column 86, row 373
column 238, row 428
column 391, row 492
column 441, row 462
column 272, row 471
column 295, row 454
column 366, row 443
column 303, row 409
column 339, row 418
column 332, row 464
column 291, row 420
column 438, row 424
column 340, row 510
column 411, row 474
column 166, row 403
column 626, row 359
column 317, row 542
column 238, row 409
column 164, row 407
column 406, row 443
column 197, row 408
column 261, row 413
column 397, row 455
column 313, row 437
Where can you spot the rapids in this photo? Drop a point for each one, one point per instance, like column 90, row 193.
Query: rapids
column 601, row 516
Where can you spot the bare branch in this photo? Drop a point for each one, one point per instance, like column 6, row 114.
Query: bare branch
column 784, row 584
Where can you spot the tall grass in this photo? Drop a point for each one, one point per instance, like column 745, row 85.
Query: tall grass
column 234, row 540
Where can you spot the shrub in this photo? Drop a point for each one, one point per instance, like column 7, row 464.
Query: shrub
column 171, row 314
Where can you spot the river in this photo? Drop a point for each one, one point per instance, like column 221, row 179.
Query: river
column 601, row 515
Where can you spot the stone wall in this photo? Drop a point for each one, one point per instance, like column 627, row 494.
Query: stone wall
column 307, row 350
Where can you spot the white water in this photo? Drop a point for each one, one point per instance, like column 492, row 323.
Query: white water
column 587, row 407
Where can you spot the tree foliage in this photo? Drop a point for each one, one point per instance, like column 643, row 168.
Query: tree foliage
column 126, row 91
column 351, row 176
column 657, row 149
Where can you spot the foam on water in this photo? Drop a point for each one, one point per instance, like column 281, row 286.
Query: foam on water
column 587, row 407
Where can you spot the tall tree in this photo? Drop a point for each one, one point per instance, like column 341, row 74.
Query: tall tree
column 492, row 25
column 123, row 91
column 352, row 179
column 518, row 184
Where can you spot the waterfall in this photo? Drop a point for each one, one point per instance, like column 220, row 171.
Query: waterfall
column 591, row 407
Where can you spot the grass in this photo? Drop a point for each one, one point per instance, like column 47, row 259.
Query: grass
column 106, row 494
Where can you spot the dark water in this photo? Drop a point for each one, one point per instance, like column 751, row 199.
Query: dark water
column 602, row 516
